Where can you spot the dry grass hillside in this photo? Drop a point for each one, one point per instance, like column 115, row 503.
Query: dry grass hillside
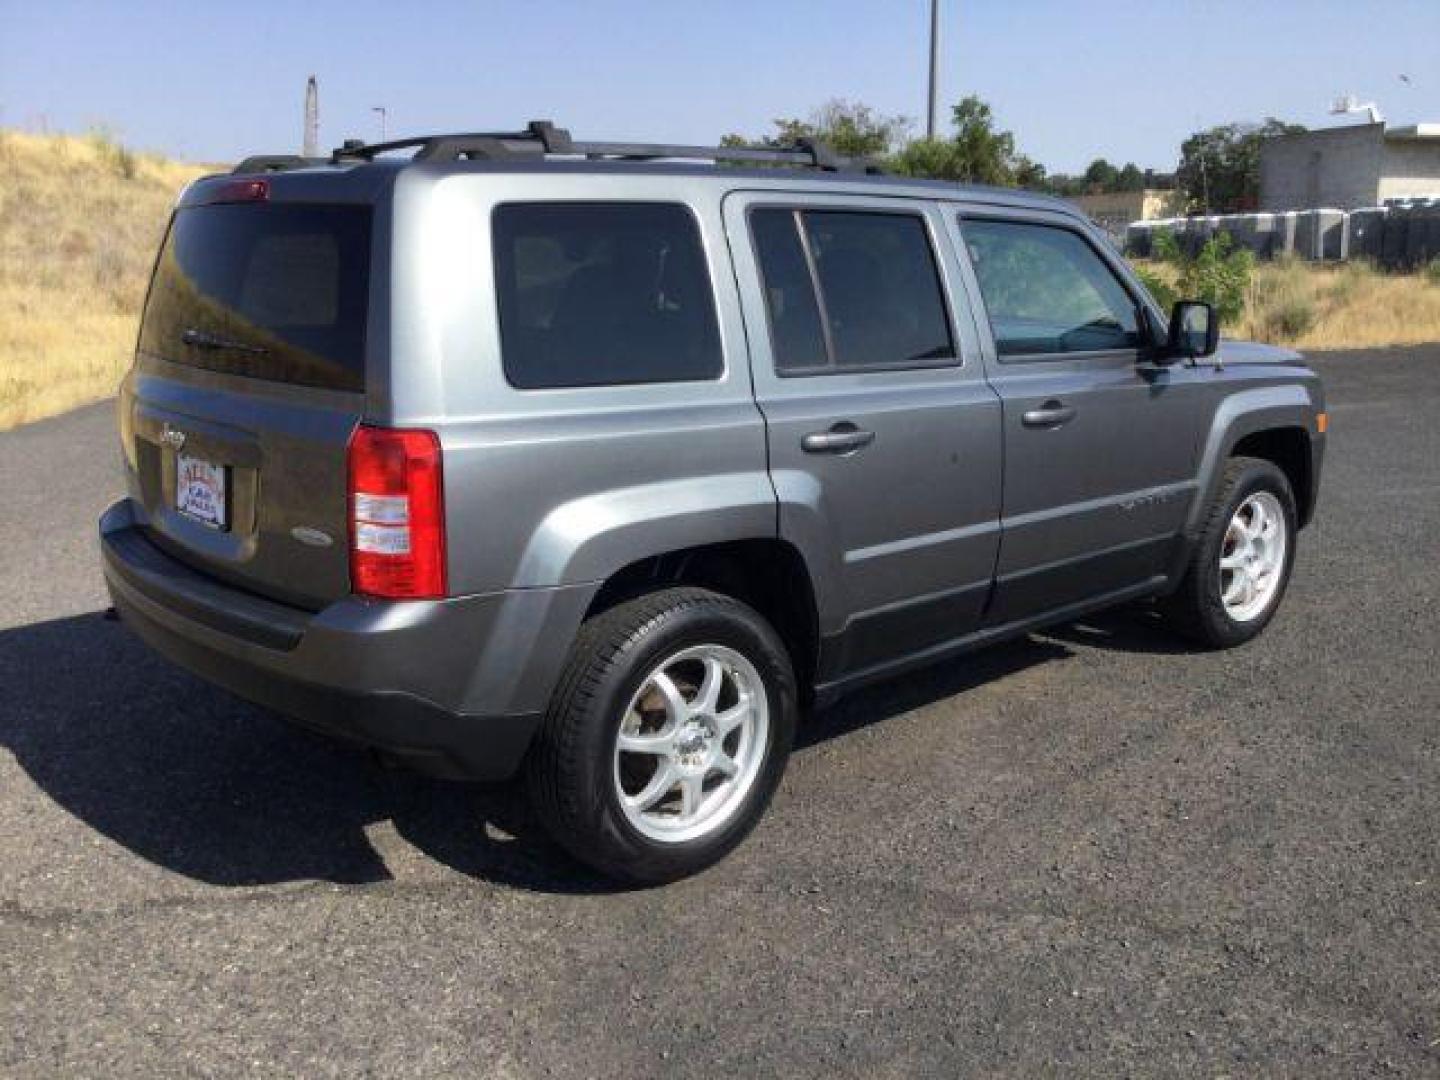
column 80, row 221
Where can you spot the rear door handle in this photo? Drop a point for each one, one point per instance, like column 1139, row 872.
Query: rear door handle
column 1051, row 414
column 842, row 438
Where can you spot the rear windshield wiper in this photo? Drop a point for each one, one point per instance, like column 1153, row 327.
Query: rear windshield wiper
column 202, row 340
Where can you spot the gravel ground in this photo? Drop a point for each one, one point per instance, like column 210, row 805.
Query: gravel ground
column 1087, row 851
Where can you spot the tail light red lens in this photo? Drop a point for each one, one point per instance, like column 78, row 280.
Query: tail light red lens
column 397, row 514
column 240, row 191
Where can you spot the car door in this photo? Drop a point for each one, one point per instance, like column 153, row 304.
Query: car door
column 883, row 434
column 1100, row 445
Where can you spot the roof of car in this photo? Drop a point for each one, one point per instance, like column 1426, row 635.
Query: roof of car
column 386, row 170
column 542, row 148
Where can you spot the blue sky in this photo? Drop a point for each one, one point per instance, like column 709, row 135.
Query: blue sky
column 1074, row 79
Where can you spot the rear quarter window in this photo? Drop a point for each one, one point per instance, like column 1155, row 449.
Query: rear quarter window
column 602, row 294
column 277, row 292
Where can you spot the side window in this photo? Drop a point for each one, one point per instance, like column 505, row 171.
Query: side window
column 1047, row 291
column 599, row 294
column 796, row 334
column 850, row 290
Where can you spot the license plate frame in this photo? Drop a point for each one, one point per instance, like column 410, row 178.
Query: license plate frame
column 202, row 491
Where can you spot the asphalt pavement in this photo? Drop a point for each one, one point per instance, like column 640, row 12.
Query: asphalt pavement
column 1089, row 851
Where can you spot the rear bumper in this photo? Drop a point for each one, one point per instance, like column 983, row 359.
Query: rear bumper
column 455, row 687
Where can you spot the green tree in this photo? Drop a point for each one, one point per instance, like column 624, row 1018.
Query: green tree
column 1130, row 178
column 1102, row 176
column 851, row 128
column 977, row 151
column 1219, row 167
column 1030, row 174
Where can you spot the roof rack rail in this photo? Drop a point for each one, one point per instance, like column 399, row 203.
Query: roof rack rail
column 275, row 163
column 541, row 138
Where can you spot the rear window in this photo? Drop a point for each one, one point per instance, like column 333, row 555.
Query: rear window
column 598, row 294
column 268, row 291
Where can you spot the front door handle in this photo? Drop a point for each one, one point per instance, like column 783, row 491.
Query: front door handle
column 1051, row 414
column 842, row 438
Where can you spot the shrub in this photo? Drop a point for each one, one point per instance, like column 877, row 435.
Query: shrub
column 1432, row 271
column 1291, row 318
column 1283, row 304
column 1166, row 248
column 1160, row 289
column 113, row 154
column 1219, row 274
column 1351, row 279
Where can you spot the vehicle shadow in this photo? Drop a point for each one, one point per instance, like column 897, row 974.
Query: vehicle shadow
column 924, row 686
column 195, row 780
column 203, row 784
column 1133, row 628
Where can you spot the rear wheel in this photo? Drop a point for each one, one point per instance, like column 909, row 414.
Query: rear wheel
column 1242, row 560
column 667, row 735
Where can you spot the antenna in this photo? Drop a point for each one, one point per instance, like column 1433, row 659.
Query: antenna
column 312, row 119
column 1349, row 104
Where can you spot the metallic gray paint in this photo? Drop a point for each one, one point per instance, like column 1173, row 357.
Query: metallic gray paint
column 957, row 525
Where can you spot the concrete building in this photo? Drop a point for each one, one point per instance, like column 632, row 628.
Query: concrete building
column 1113, row 211
column 1349, row 167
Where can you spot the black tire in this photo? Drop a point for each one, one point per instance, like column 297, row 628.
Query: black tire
column 570, row 771
column 1196, row 609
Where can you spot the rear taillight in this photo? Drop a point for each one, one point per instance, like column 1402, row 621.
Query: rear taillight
column 397, row 514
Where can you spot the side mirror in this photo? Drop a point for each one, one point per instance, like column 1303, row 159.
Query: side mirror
column 1194, row 330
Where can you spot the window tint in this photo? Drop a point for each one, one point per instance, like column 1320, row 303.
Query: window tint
column 1047, row 291
column 595, row 294
column 795, row 332
column 279, row 292
column 881, row 291
column 879, row 296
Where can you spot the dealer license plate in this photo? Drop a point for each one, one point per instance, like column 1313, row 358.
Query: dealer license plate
column 200, row 491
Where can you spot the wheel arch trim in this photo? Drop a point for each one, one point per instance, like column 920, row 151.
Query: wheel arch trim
column 1249, row 412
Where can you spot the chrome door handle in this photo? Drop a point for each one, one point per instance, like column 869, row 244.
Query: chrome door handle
column 843, row 438
column 1051, row 414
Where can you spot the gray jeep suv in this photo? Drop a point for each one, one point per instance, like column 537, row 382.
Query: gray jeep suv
column 506, row 452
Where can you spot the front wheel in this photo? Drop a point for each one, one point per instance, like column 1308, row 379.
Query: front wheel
column 667, row 735
column 1241, row 562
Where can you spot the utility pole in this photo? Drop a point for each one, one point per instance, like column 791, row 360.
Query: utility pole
column 311, row 142
column 383, row 114
column 934, row 67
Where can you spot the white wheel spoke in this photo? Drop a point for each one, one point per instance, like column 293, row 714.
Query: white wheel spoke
column 692, row 791
column 1232, row 594
column 676, row 708
column 725, row 766
column 708, row 696
column 733, row 717
column 656, row 789
column 661, row 743
column 1233, row 561
column 1256, row 525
